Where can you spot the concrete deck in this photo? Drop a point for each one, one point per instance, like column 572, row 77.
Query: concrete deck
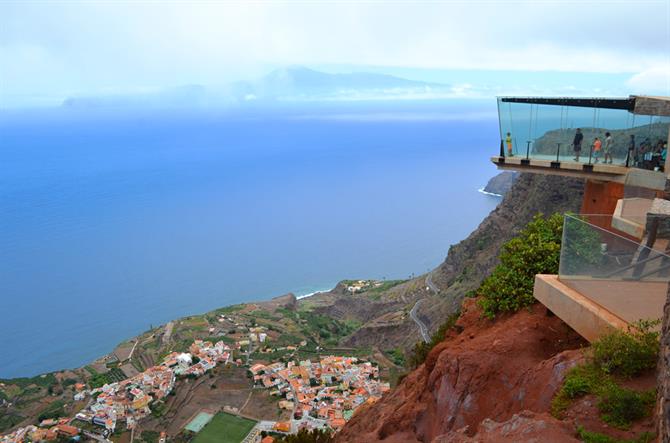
column 599, row 171
column 595, row 307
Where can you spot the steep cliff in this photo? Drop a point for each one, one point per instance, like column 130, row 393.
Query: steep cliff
column 469, row 261
column 490, row 370
column 465, row 266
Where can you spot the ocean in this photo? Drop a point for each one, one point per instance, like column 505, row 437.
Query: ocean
column 115, row 220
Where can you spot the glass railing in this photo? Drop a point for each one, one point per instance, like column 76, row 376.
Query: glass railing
column 549, row 132
column 622, row 275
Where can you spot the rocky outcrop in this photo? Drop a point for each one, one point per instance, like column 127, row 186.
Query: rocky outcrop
column 489, row 370
column 527, row 426
column 501, row 183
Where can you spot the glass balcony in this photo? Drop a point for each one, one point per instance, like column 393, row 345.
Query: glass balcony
column 547, row 132
column 623, row 276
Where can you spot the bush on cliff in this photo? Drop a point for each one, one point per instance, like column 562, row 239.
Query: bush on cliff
column 536, row 250
column 628, row 353
column 620, row 353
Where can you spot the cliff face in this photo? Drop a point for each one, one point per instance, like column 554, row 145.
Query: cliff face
column 490, row 370
column 501, row 183
column 386, row 323
column 471, row 260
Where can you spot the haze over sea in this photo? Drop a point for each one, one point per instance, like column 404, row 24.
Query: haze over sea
column 113, row 221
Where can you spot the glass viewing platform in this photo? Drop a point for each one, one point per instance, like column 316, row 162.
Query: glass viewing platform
column 627, row 278
column 605, row 136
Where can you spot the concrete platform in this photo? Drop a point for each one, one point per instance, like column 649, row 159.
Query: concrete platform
column 595, row 307
column 599, row 171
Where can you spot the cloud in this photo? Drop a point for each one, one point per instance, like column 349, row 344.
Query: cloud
column 59, row 48
column 652, row 81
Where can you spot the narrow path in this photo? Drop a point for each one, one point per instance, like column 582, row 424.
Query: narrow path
column 130, row 357
column 422, row 327
column 246, row 402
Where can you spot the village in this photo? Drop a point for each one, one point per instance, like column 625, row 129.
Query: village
column 323, row 393
column 319, row 393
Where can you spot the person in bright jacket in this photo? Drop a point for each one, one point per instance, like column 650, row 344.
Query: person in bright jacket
column 508, row 140
column 597, row 146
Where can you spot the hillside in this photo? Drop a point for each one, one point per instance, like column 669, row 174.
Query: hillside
column 497, row 381
column 385, row 320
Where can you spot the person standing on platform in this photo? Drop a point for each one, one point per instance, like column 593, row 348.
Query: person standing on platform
column 597, row 146
column 607, row 149
column 508, row 140
column 630, row 158
column 577, row 143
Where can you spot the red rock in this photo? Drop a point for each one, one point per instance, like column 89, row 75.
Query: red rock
column 507, row 367
column 528, row 427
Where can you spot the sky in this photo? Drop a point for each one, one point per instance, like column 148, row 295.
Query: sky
column 51, row 50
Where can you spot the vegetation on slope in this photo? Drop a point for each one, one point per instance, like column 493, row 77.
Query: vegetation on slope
column 422, row 349
column 619, row 354
column 536, row 250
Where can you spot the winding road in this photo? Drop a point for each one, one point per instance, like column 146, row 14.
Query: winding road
column 430, row 284
column 422, row 326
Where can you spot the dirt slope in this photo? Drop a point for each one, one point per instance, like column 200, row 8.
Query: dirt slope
column 490, row 370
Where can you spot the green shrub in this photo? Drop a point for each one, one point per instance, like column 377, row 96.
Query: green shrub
column 150, row 436
column 305, row 436
column 596, row 437
column 536, row 250
column 621, row 407
column 54, row 410
column 579, row 381
column 9, row 420
column 576, row 387
column 397, row 356
column 628, row 353
column 618, row 353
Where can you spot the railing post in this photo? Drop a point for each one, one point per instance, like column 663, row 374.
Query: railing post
column 526, row 161
column 590, row 153
column 557, row 164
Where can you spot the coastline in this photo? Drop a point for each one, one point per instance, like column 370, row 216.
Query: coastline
column 320, row 291
column 130, row 339
column 482, row 191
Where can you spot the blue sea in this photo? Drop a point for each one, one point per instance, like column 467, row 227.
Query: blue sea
column 115, row 220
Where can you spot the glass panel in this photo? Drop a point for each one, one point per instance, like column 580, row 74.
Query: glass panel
column 548, row 132
column 620, row 274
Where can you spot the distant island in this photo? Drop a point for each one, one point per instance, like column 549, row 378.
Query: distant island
column 291, row 84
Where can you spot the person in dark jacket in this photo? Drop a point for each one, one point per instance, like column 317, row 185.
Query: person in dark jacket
column 577, row 143
column 630, row 159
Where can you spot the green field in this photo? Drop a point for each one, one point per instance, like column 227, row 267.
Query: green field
column 225, row 428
